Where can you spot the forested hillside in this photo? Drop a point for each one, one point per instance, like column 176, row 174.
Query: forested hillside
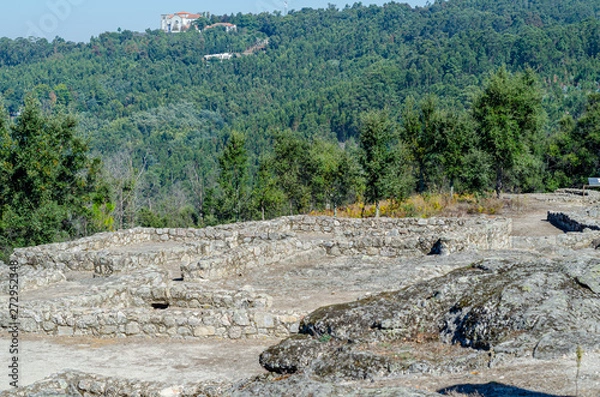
column 343, row 105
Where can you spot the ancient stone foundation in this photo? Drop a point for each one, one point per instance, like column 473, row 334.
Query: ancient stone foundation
column 157, row 282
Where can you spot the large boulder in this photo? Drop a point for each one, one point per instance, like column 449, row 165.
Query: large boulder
column 512, row 304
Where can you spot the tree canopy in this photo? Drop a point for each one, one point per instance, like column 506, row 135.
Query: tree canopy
column 478, row 95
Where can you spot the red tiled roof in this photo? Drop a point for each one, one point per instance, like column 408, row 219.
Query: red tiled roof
column 188, row 15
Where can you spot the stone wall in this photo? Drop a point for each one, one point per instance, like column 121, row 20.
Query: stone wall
column 347, row 237
column 240, row 259
column 30, row 278
column 171, row 322
column 223, row 250
column 167, row 245
column 146, row 304
column 576, row 221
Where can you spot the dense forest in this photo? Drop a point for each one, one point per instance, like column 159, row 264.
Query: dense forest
column 359, row 104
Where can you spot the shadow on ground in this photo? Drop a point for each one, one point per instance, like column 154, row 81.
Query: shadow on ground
column 494, row 389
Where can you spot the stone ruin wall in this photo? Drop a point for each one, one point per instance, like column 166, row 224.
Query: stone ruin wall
column 80, row 255
column 576, row 221
column 124, row 306
column 582, row 230
column 129, row 306
column 201, row 251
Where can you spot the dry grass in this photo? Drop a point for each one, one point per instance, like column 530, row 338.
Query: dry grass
column 425, row 206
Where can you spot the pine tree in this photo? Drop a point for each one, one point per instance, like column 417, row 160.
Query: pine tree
column 376, row 141
column 233, row 179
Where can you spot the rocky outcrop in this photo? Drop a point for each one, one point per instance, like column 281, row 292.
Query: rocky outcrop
column 305, row 386
column 515, row 304
column 78, row 384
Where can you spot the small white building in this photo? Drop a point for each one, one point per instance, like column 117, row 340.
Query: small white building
column 224, row 56
column 178, row 22
column 229, row 27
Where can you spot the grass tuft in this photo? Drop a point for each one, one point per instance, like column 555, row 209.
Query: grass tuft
column 425, row 206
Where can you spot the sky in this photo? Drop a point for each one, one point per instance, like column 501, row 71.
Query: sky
column 78, row 20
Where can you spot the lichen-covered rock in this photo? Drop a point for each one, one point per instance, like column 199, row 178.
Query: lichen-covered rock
column 514, row 304
column 292, row 354
column 305, row 386
column 80, row 384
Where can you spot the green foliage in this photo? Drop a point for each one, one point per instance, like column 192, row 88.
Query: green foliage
column 267, row 197
column 159, row 114
column 381, row 158
column 49, row 181
column 509, row 117
column 233, row 179
column 293, row 169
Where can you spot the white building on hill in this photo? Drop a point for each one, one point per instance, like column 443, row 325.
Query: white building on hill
column 179, row 22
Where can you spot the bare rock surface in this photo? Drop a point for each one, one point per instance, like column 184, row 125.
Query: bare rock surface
column 514, row 304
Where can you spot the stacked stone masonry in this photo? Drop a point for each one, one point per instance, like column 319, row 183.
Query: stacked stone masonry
column 138, row 296
column 588, row 220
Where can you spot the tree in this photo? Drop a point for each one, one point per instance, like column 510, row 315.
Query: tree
column 293, row 168
column 443, row 145
column 509, row 117
column 335, row 173
column 233, row 179
column 420, row 132
column 573, row 153
column 376, row 141
column 267, row 196
column 49, row 180
column 124, row 180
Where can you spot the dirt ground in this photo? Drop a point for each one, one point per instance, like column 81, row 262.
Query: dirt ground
column 306, row 287
column 165, row 360
column 529, row 212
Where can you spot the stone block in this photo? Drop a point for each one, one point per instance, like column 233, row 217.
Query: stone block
column 264, row 320
column 235, row 332
column 240, row 318
column 184, row 331
column 109, row 330
column 48, row 326
column 204, row 331
column 150, row 329
column 29, row 325
column 65, row 331
column 287, row 319
column 132, row 328
column 294, row 328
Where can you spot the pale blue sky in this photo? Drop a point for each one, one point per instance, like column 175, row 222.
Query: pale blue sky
column 78, row 20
